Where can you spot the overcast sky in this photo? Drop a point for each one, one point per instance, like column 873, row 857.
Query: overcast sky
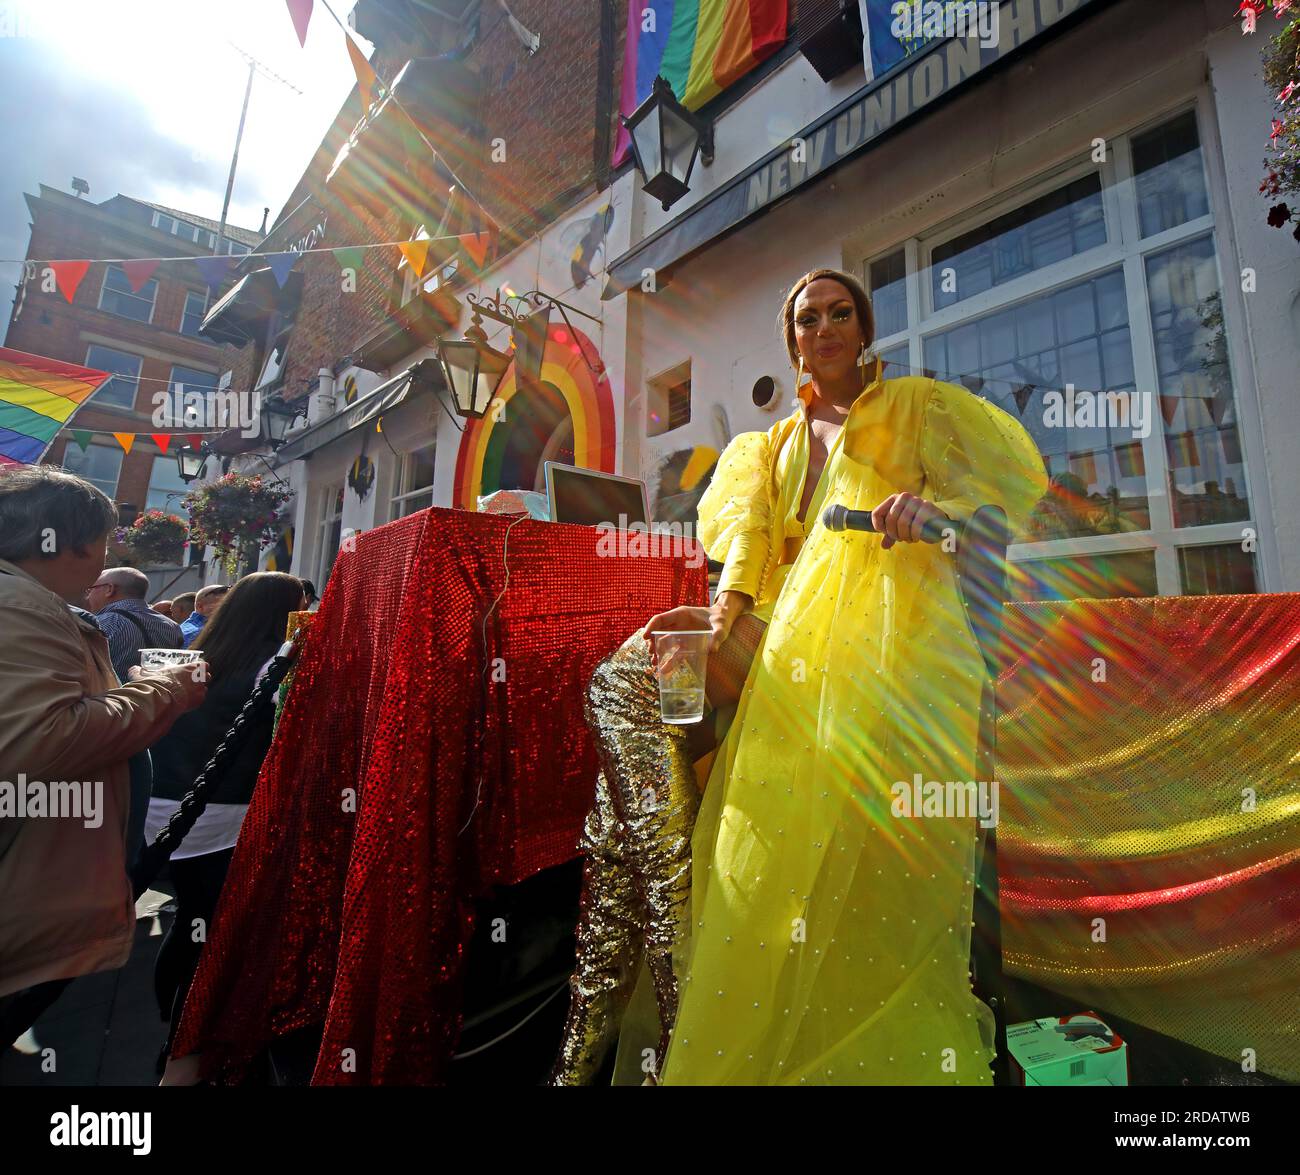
column 142, row 98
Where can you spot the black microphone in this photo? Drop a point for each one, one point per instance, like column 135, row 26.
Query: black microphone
column 840, row 517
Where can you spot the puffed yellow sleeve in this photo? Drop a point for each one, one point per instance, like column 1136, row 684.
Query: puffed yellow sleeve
column 735, row 513
column 975, row 454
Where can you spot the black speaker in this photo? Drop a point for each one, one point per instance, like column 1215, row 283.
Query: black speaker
column 830, row 36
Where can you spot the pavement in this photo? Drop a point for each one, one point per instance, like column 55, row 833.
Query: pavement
column 105, row 1028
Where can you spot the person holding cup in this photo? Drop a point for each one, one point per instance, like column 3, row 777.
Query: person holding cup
column 830, row 623
column 66, row 906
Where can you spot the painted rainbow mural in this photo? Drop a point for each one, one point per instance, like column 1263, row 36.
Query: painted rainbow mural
column 589, row 400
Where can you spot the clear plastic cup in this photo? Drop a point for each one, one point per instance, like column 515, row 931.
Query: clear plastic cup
column 166, row 658
column 681, row 662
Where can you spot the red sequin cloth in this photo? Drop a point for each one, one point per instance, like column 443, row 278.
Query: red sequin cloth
column 412, row 770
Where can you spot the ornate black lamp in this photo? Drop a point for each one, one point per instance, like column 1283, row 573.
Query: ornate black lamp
column 666, row 138
column 278, row 416
column 473, row 369
column 190, row 461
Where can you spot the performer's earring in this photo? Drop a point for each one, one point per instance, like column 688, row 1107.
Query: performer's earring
column 862, row 366
column 798, row 375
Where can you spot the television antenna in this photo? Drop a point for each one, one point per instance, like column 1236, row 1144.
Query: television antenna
column 254, row 67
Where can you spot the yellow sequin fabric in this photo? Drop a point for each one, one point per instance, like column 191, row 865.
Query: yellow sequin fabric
column 828, row 935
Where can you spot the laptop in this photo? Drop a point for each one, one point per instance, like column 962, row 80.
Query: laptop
column 590, row 498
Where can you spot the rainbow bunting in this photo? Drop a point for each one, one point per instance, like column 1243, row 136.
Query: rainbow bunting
column 37, row 398
column 700, row 46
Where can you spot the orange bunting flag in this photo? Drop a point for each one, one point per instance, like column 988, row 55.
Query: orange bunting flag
column 367, row 79
column 68, row 275
column 125, row 439
column 161, row 439
column 138, row 272
column 476, row 246
column 416, row 254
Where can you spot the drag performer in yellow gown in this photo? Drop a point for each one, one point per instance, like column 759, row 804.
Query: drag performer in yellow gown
column 826, row 937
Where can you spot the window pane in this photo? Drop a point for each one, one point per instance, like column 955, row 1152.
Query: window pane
column 99, row 464
column 165, row 479
column 419, row 470
column 1098, row 577
column 887, row 283
column 1224, row 570
column 189, row 392
column 192, row 319
column 119, row 298
column 895, row 361
column 1026, row 359
column 1169, row 175
column 1061, row 224
column 1208, row 479
column 121, row 389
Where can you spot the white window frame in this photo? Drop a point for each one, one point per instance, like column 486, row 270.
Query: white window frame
column 326, row 518
column 433, row 280
column 402, row 492
column 72, row 446
column 1127, row 250
column 203, row 302
column 107, row 403
column 153, row 301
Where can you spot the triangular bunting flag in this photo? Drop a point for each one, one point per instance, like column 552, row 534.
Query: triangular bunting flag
column 281, row 264
column 196, row 441
column 350, row 257
column 300, row 14
column 138, row 272
column 1022, row 395
column 366, row 76
column 161, row 439
column 1169, row 408
column 125, row 439
column 416, row 254
column 68, row 275
column 476, row 246
column 214, row 269
column 82, row 437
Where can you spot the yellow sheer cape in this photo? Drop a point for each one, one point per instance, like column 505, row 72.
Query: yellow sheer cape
column 828, row 935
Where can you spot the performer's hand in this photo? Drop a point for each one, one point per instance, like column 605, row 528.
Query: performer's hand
column 901, row 517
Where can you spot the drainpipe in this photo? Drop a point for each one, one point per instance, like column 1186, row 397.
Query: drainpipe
column 321, row 404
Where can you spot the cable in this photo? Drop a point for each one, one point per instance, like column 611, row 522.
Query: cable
column 505, row 545
column 511, row 1031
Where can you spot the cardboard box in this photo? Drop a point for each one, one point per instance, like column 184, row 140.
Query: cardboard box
column 1070, row 1050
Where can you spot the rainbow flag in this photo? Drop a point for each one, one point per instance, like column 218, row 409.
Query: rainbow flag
column 700, row 47
column 37, row 397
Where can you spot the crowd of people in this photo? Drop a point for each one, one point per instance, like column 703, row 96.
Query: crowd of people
column 79, row 707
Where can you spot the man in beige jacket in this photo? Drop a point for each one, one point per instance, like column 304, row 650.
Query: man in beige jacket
column 67, row 729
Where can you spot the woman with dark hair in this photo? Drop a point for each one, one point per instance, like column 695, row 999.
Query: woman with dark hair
column 796, row 929
column 237, row 643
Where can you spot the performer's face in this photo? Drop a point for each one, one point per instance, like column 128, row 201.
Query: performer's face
column 827, row 330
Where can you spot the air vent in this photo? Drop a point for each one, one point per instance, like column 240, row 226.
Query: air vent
column 830, row 36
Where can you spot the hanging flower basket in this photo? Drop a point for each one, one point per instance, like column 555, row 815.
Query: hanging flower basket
column 1282, row 76
column 154, row 538
column 235, row 512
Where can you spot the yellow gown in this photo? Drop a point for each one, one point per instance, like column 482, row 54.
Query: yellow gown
column 828, row 938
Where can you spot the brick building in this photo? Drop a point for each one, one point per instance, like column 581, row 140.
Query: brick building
column 843, row 147
column 148, row 339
